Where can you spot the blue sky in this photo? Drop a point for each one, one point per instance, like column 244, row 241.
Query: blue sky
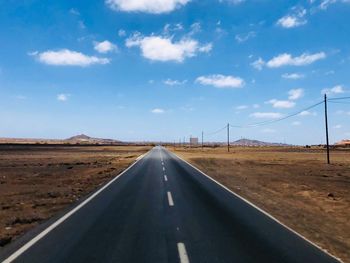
column 162, row 70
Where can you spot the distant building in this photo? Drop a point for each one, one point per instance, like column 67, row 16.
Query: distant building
column 193, row 141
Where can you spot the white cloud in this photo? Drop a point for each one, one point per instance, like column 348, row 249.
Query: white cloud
column 206, row 48
column 326, row 3
column 169, row 28
column 66, row 57
column 105, row 47
column 256, row 106
column 288, row 60
column 62, row 97
column 221, row 81
column 121, row 33
column 244, row 37
column 342, row 112
column 290, row 21
column 295, row 94
column 157, row 111
column 293, row 76
column 293, row 20
column 160, row 48
column 335, row 90
column 147, row 6
column 81, row 24
column 74, row 11
column 242, row 107
column 195, row 28
column 281, row 104
column 338, row 126
column 171, row 82
column 32, row 53
column 266, row 115
column 258, row 64
column 235, row 2
column 296, row 123
column 307, row 113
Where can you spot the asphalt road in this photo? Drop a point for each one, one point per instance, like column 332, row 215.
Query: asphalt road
column 163, row 210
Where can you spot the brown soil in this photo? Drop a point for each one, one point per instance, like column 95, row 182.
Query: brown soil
column 293, row 184
column 38, row 181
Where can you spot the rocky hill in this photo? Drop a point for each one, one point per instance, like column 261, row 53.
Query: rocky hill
column 248, row 142
column 82, row 138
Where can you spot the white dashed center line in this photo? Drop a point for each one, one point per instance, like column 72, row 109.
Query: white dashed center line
column 170, row 199
column 165, row 178
column 163, row 168
column 182, row 253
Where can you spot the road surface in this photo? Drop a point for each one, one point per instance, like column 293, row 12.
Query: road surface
column 163, row 210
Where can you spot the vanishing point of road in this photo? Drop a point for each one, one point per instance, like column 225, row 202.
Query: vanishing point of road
column 161, row 209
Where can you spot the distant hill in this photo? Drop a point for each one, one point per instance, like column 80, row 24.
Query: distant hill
column 82, row 138
column 78, row 139
column 248, row 142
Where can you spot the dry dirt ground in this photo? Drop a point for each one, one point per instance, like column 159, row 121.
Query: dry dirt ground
column 293, row 184
column 38, row 181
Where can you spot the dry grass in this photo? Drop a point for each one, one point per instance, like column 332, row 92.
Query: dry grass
column 293, row 184
column 38, row 181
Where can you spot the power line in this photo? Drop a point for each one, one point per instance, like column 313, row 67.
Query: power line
column 215, row 132
column 339, row 102
column 257, row 124
column 277, row 120
column 340, row 98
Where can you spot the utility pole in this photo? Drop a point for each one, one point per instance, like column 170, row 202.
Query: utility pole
column 326, row 120
column 202, row 139
column 228, row 137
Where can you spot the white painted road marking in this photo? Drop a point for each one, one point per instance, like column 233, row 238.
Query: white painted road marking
column 170, row 199
column 182, row 253
column 163, row 168
column 26, row 246
column 140, row 157
column 165, row 178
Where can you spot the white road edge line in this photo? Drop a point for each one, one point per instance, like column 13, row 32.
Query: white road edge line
column 182, row 253
column 165, row 178
column 140, row 157
column 170, row 199
column 30, row 243
column 261, row 210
